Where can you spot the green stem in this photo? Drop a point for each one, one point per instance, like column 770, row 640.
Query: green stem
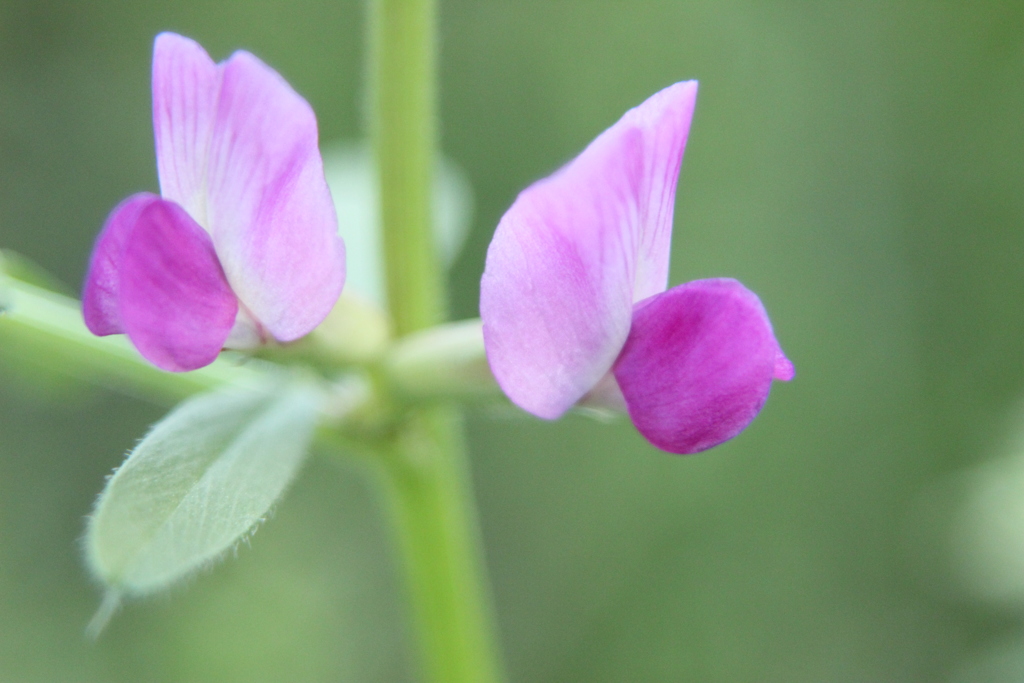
column 403, row 54
column 424, row 477
column 425, row 472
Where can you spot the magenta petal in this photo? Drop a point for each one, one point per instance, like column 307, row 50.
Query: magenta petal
column 101, row 292
column 185, row 87
column 784, row 369
column 698, row 364
column 270, row 212
column 576, row 250
column 175, row 304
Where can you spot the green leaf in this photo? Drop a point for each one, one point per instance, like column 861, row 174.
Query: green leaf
column 200, row 481
column 349, row 170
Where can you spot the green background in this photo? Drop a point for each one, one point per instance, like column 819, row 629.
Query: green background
column 858, row 164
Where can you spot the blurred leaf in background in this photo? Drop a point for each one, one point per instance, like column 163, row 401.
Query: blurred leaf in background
column 858, row 164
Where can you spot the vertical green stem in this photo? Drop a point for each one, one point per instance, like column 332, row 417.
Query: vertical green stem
column 424, row 470
column 425, row 477
column 403, row 61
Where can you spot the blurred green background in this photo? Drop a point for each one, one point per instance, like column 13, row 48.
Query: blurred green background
column 858, row 164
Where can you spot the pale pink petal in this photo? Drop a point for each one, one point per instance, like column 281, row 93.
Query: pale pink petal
column 270, row 212
column 101, row 292
column 556, row 294
column 175, row 304
column 665, row 120
column 186, row 83
column 698, row 364
column 576, row 250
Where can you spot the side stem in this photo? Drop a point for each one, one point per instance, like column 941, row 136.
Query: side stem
column 424, row 467
column 45, row 331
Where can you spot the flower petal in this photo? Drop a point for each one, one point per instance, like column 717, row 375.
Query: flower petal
column 175, row 304
column 185, row 87
column 101, row 292
column 698, row 364
column 270, row 212
column 576, row 250
column 784, row 369
column 665, row 120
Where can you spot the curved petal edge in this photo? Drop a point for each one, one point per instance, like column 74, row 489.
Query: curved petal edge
column 186, row 84
column 175, row 303
column 270, row 211
column 576, row 250
column 698, row 364
column 101, row 292
column 664, row 120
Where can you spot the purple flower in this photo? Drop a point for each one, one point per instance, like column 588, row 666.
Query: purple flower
column 242, row 244
column 574, row 299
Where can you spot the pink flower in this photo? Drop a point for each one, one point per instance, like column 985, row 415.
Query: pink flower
column 574, row 299
column 242, row 243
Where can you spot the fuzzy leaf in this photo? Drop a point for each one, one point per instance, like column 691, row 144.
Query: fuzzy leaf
column 201, row 480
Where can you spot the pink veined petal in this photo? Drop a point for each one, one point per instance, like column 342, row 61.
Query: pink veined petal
column 576, row 250
column 175, row 304
column 270, row 212
column 101, row 291
column 186, row 84
column 698, row 364
column 665, row 119
column 556, row 294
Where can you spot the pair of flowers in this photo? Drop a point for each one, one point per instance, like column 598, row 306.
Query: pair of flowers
column 242, row 245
